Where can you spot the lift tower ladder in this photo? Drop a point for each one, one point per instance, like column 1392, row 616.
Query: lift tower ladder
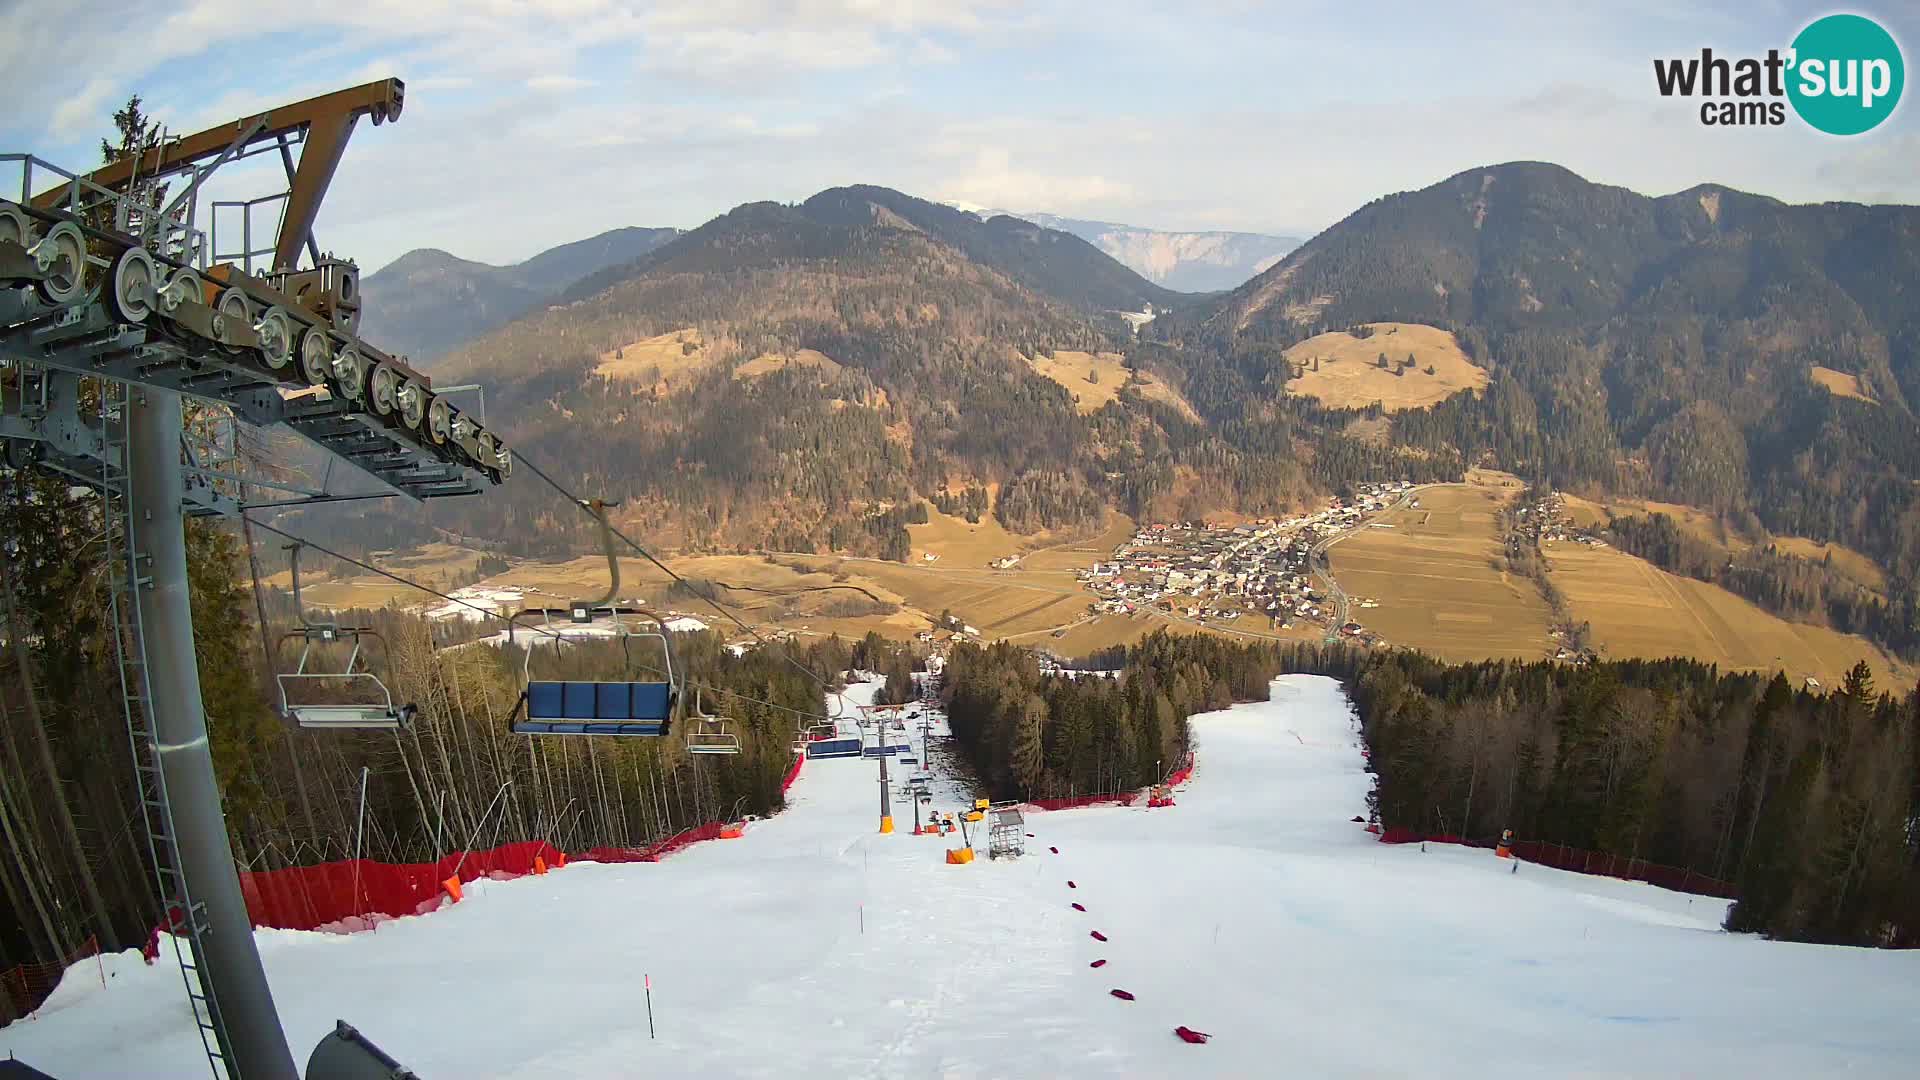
column 180, row 912
column 111, row 318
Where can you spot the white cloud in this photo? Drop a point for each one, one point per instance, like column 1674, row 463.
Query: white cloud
column 549, row 83
column 994, row 180
column 677, row 110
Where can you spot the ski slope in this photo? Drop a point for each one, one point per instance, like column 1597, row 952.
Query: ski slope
column 1254, row 911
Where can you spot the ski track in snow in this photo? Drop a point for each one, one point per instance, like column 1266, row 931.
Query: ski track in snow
column 1255, row 910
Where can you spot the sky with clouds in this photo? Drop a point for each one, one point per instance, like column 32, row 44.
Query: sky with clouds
column 530, row 123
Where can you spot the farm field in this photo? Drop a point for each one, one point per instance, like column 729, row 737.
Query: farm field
column 1702, row 525
column 1029, row 602
column 1350, row 377
column 957, row 542
column 1839, row 383
column 1070, row 369
column 1433, row 576
column 1855, row 566
column 668, row 361
column 438, row 565
column 1639, row 610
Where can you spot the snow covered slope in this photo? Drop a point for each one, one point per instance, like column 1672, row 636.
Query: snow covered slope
column 1254, row 910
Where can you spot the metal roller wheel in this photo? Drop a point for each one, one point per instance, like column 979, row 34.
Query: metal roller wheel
column 235, row 310
column 461, row 431
column 133, row 285
column 503, row 462
column 350, row 373
column 234, row 304
column 486, row 449
column 439, row 421
column 382, row 386
column 316, row 356
column 62, row 255
column 276, row 339
column 15, row 226
column 411, row 399
column 183, row 287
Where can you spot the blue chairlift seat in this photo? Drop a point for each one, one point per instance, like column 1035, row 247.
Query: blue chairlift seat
column 596, row 708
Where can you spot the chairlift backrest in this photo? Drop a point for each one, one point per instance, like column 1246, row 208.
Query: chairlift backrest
column 709, row 734
column 629, row 706
column 644, row 707
column 353, row 697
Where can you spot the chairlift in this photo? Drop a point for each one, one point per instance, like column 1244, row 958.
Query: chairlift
column 635, row 707
column 304, row 695
column 709, row 734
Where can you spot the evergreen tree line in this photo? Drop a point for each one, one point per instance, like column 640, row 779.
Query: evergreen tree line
column 77, row 864
column 1030, row 735
column 1809, row 802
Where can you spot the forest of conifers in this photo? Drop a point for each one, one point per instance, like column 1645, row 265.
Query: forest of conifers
column 1809, row 802
column 75, row 865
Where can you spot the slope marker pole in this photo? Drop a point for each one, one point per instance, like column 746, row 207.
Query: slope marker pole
column 649, row 982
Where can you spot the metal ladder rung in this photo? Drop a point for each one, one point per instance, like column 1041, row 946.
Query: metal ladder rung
column 125, row 579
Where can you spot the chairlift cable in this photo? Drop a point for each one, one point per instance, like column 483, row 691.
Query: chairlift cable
column 491, row 614
column 669, row 571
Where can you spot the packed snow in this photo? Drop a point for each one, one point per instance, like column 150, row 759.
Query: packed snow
column 1254, row 911
column 475, row 602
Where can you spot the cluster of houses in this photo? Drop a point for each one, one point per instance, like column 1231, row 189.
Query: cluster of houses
column 1546, row 520
column 1262, row 570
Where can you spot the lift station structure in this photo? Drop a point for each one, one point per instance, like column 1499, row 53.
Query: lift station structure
column 129, row 337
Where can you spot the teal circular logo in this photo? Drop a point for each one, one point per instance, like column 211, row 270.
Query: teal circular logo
column 1846, row 75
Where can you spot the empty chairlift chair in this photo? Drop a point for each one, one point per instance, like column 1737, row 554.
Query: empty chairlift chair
column 629, row 706
column 352, row 697
column 709, row 734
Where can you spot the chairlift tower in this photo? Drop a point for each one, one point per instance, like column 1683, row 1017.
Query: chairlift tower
column 116, row 309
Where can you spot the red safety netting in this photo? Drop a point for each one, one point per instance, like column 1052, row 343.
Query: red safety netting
column 27, row 985
column 1123, row 799
column 308, row 897
column 352, row 894
column 1582, row 861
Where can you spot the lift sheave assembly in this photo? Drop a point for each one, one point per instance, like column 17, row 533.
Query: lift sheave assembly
column 137, row 334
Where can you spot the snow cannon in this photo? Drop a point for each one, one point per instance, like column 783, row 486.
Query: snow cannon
column 1505, row 848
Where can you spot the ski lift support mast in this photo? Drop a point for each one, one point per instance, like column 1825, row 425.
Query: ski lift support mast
column 114, row 309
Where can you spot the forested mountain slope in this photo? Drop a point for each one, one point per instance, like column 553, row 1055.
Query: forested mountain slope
column 427, row 301
column 1051, row 262
column 799, row 377
column 1681, row 347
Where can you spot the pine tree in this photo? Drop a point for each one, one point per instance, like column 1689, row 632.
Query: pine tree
column 1029, row 747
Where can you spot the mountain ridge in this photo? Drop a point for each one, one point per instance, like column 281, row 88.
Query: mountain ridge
column 430, row 301
column 1205, row 260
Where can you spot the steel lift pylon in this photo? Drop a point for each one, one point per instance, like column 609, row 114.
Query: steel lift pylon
column 116, row 311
